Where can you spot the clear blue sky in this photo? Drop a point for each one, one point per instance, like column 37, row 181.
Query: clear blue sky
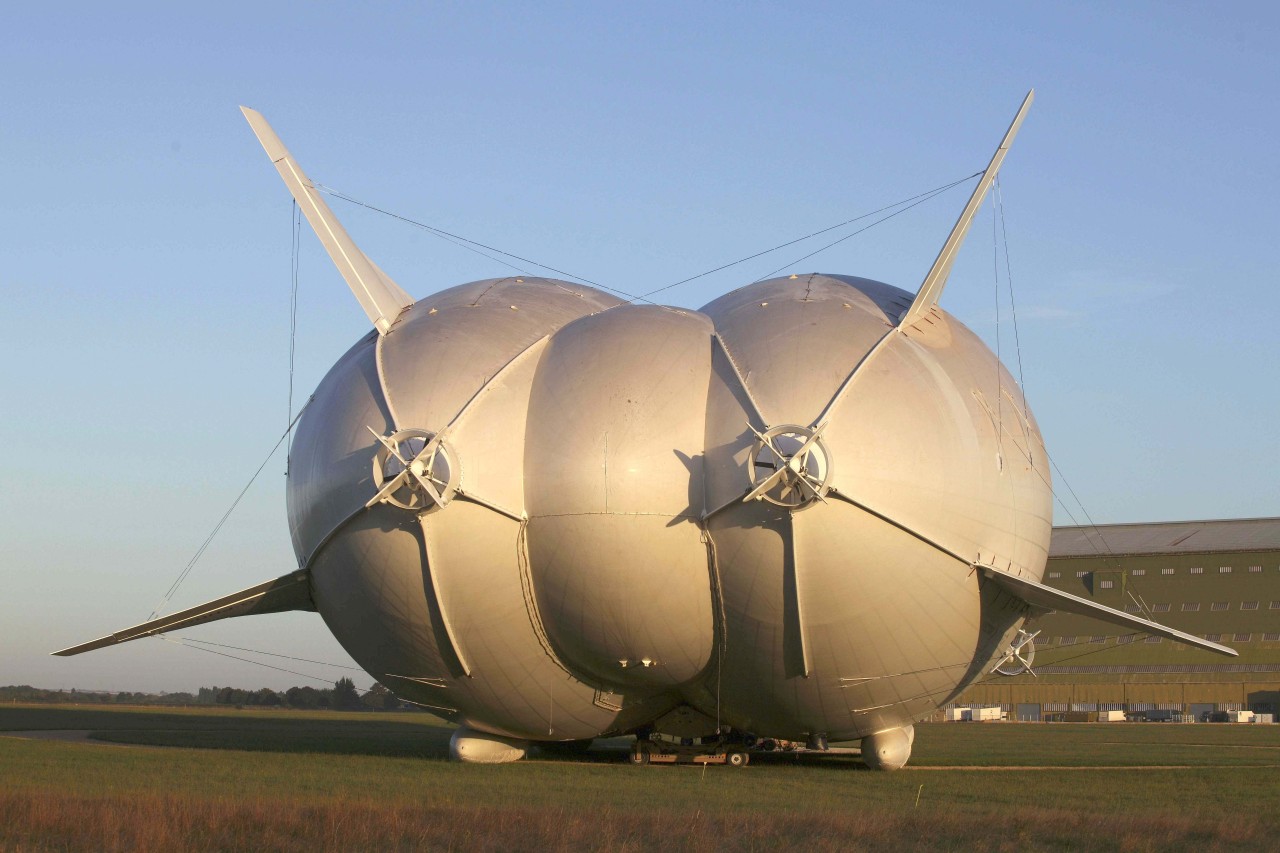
column 145, row 241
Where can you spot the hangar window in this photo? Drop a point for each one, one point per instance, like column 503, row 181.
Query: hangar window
column 1166, row 571
column 1242, row 638
column 1137, row 573
column 1125, row 640
column 1098, row 641
column 1081, row 574
column 1197, row 570
column 1106, row 584
column 1160, row 608
column 1055, row 574
column 1213, row 638
column 1271, row 638
column 1151, row 640
column 1068, row 641
column 1275, row 605
column 1255, row 569
column 1220, row 605
column 1191, row 607
column 1224, row 570
column 1132, row 608
column 1248, row 605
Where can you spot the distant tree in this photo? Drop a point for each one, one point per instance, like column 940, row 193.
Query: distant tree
column 345, row 695
column 308, row 697
column 264, row 697
column 380, row 698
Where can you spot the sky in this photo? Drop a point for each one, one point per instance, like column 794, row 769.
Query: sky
column 145, row 245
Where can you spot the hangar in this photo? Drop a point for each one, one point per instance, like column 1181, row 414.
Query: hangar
column 1217, row 579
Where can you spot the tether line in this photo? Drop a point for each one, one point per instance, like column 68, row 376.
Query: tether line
column 920, row 199
column 182, row 576
column 921, row 196
column 481, row 248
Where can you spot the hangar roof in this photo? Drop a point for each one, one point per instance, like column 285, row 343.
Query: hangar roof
column 1167, row 537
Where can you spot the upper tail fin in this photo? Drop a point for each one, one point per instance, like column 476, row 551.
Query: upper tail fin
column 381, row 298
column 931, row 288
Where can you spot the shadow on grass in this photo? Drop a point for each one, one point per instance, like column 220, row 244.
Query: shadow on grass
column 369, row 733
column 400, row 735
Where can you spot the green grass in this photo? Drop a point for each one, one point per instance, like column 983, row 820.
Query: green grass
column 1096, row 744
column 292, row 780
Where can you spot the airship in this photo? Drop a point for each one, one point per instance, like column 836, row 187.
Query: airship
column 816, row 509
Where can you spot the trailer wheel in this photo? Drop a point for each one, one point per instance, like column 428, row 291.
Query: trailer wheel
column 737, row 759
column 639, row 756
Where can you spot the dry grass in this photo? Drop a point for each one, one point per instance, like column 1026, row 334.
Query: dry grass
column 345, row 782
column 155, row 822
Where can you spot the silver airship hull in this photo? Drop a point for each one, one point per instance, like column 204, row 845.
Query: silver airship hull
column 818, row 508
column 597, row 565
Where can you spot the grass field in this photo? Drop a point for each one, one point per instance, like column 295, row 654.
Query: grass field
column 242, row 780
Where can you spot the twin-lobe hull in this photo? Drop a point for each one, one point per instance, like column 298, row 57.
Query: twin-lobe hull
column 592, row 564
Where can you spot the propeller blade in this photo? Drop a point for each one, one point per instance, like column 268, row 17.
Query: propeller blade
column 765, row 486
column 390, row 486
column 817, row 433
column 768, row 442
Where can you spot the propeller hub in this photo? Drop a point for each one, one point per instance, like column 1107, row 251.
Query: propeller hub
column 791, row 466
column 414, row 469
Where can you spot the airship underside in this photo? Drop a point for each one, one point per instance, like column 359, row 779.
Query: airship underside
column 818, row 507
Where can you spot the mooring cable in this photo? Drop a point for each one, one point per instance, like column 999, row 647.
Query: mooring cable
column 476, row 246
column 921, row 199
column 922, row 196
column 269, row 654
column 180, row 642
column 182, row 576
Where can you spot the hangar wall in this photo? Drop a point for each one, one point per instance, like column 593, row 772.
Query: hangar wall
column 1217, row 579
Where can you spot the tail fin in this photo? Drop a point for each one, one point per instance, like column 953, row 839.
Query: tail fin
column 1048, row 598
column 381, row 298
column 931, row 288
column 291, row 592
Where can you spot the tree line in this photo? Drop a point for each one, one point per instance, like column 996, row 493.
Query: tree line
column 343, row 696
